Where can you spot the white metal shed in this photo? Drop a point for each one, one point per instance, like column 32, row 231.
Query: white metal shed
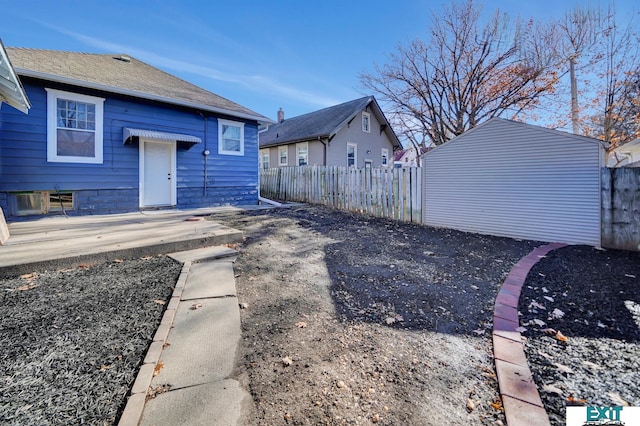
column 516, row 180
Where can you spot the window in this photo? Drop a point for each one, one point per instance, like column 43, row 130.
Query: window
column 385, row 156
column 230, row 137
column 40, row 202
column 283, row 153
column 74, row 127
column 264, row 158
column 303, row 154
column 352, row 152
column 366, row 122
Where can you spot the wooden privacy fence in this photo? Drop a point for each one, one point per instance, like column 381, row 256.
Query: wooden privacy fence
column 391, row 193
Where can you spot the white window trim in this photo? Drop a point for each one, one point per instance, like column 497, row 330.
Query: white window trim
column 368, row 116
column 384, row 154
column 264, row 153
column 355, row 154
column 298, row 146
column 52, row 127
column 223, row 151
column 284, row 149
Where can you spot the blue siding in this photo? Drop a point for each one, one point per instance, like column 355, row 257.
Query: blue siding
column 24, row 166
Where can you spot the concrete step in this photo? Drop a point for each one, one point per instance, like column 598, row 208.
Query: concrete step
column 204, row 254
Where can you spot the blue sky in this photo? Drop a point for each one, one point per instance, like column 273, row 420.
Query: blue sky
column 298, row 55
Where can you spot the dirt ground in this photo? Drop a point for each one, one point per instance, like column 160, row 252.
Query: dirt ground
column 355, row 320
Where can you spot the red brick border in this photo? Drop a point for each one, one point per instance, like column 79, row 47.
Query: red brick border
column 520, row 397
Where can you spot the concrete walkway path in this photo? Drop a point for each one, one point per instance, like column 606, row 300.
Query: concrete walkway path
column 186, row 376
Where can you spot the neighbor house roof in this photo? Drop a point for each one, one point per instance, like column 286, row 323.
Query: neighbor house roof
column 122, row 74
column 11, row 90
column 323, row 124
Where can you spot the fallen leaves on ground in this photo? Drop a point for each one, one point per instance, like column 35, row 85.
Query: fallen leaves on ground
column 159, row 302
column 157, row 369
column 286, row 361
column 552, row 389
column 196, row 306
column 561, row 337
column 301, row 324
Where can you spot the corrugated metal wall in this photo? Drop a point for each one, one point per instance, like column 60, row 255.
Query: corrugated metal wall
column 511, row 179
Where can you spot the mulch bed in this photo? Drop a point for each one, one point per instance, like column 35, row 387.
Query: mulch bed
column 73, row 340
column 592, row 297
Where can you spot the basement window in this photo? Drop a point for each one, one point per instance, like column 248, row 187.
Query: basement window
column 41, row 202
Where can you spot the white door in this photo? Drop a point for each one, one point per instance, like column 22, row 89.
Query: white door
column 157, row 174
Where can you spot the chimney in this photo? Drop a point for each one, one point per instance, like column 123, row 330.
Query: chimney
column 280, row 115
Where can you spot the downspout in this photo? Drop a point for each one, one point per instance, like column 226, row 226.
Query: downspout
column 324, row 148
column 206, row 155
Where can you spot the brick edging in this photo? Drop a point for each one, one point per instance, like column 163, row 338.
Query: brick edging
column 520, row 397
column 135, row 405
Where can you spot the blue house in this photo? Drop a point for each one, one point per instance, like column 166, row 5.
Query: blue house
column 111, row 134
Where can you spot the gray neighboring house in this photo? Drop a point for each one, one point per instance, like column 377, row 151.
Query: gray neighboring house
column 352, row 134
column 516, row 180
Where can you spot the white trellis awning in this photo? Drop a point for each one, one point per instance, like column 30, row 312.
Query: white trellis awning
column 128, row 135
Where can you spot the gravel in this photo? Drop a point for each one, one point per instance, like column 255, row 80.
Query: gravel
column 73, row 340
column 346, row 319
column 592, row 297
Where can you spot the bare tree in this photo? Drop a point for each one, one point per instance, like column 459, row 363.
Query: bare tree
column 463, row 74
column 579, row 31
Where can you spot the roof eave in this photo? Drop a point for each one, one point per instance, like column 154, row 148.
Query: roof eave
column 18, row 99
column 113, row 89
column 292, row 141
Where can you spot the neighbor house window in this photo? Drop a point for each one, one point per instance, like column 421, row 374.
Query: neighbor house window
column 385, row 156
column 264, row 158
column 352, row 153
column 366, row 122
column 303, row 154
column 74, row 127
column 230, row 137
column 283, row 153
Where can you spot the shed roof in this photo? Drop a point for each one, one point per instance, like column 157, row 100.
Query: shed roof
column 122, row 74
column 323, row 124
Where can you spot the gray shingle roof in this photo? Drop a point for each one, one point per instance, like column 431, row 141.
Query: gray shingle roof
column 122, row 74
column 323, row 123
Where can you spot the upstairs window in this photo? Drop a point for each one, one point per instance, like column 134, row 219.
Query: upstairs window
column 352, row 153
column 230, row 137
column 74, row 127
column 385, row 156
column 303, row 154
column 366, row 122
column 283, row 153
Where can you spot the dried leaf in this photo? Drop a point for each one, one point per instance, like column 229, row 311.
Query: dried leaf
column 470, row 405
column 561, row 337
column 592, row 365
column 157, row 369
column 539, row 323
column 479, row 332
column 26, row 287
column 301, row 324
column 30, row 276
column 105, row 367
column 552, row 389
column 563, row 368
column 545, row 355
column 286, row 361
column 159, row 302
column 556, row 314
column 576, row 401
column 196, row 306
column 617, row 399
column 497, row 405
column 536, row 305
column 549, row 331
